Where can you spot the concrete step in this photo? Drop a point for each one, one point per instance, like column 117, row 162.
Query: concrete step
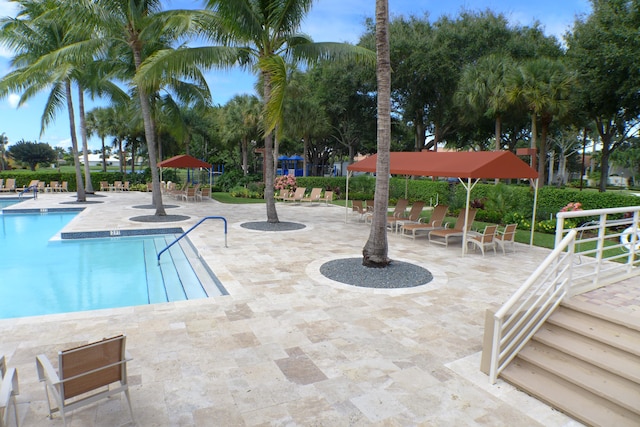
column 568, row 397
column 598, row 329
column 600, row 382
column 617, row 361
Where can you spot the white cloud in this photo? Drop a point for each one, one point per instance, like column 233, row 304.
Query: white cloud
column 13, row 100
column 7, row 9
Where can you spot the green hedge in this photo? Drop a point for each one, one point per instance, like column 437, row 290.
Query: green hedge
column 24, row 177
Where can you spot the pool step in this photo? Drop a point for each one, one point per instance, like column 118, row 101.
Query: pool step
column 208, row 280
column 181, row 270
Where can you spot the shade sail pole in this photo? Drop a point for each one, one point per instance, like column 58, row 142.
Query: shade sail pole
column 346, row 203
column 533, row 214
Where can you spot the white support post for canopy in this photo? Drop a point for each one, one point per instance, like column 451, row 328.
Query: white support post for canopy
column 469, row 187
column 346, row 203
column 533, row 214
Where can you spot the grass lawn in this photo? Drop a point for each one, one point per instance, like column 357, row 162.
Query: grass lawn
column 226, row 198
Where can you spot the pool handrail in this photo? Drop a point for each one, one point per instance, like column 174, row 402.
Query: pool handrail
column 193, row 227
column 26, row 190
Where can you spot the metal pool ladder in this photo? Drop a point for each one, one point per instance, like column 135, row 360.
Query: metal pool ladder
column 194, row 226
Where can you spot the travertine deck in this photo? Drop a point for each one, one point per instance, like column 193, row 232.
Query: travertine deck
column 288, row 346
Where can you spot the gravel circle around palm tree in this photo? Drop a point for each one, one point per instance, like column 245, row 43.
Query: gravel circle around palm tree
column 272, row 226
column 159, row 218
column 398, row 274
column 154, row 206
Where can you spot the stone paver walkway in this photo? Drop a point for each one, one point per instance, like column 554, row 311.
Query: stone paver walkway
column 288, row 346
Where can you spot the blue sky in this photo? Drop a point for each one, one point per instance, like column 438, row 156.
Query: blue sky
column 329, row 20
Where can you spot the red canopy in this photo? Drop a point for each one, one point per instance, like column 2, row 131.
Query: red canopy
column 459, row 164
column 183, row 161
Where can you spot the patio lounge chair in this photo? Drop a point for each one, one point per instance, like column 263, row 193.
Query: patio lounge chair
column 64, row 187
column 9, row 185
column 399, row 210
column 284, row 193
column 416, row 229
column 54, row 186
column 314, row 196
column 8, row 391
column 485, row 239
column 297, row 195
column 442, row 237
column 104, row 186
column 507, row 237
column 413, row 217
column 89, row 371
column 117, row 186
column 357, row 206
column 328, row 197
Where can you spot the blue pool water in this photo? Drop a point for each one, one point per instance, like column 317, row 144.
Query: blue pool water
column 43, row 276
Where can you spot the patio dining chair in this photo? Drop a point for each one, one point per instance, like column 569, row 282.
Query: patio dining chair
column 485, row 239
column 507, row 237
column 8, row 391
column 86, row 374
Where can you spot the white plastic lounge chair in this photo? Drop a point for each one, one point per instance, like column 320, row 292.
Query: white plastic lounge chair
column 484, row 240
column 416, row 229
column 8, row 391
column 507, row 237
column 442, row 237
column 89, row 371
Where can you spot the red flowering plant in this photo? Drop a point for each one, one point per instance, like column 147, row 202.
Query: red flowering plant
column 572, row 206
column 285, row 182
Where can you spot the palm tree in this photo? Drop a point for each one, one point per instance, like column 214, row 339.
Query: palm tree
column 126, row 33
column 34, row 35
column 483, row 91
column 97, row 122
column 4, row 140
column 261, row 35
column 242, row 116
column 375, row 251
column 543, row 85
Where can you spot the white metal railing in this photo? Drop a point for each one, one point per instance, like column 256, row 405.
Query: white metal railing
column 607, row 246
column 522, row 315
column 603, row 250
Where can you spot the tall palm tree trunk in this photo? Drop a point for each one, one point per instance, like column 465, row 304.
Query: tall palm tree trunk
column 376, row 249
column 269, row 175
column 88, row 187
column 149, row 134
column 80, row 194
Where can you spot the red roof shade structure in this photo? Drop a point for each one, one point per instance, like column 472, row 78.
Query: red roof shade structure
column 183, row 161
column 458, row 164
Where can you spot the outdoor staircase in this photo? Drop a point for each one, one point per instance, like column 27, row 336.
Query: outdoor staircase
column 585, row 362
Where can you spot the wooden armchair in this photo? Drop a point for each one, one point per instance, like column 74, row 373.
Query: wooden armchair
column 86, row 375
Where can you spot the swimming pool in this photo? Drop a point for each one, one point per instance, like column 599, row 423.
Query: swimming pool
column 41, row 274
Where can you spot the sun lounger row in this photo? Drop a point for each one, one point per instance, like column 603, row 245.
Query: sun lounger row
column 298, row 196
column 116, row 186
column 41, row 186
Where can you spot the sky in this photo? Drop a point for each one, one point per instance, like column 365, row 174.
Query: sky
column 328, row 20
